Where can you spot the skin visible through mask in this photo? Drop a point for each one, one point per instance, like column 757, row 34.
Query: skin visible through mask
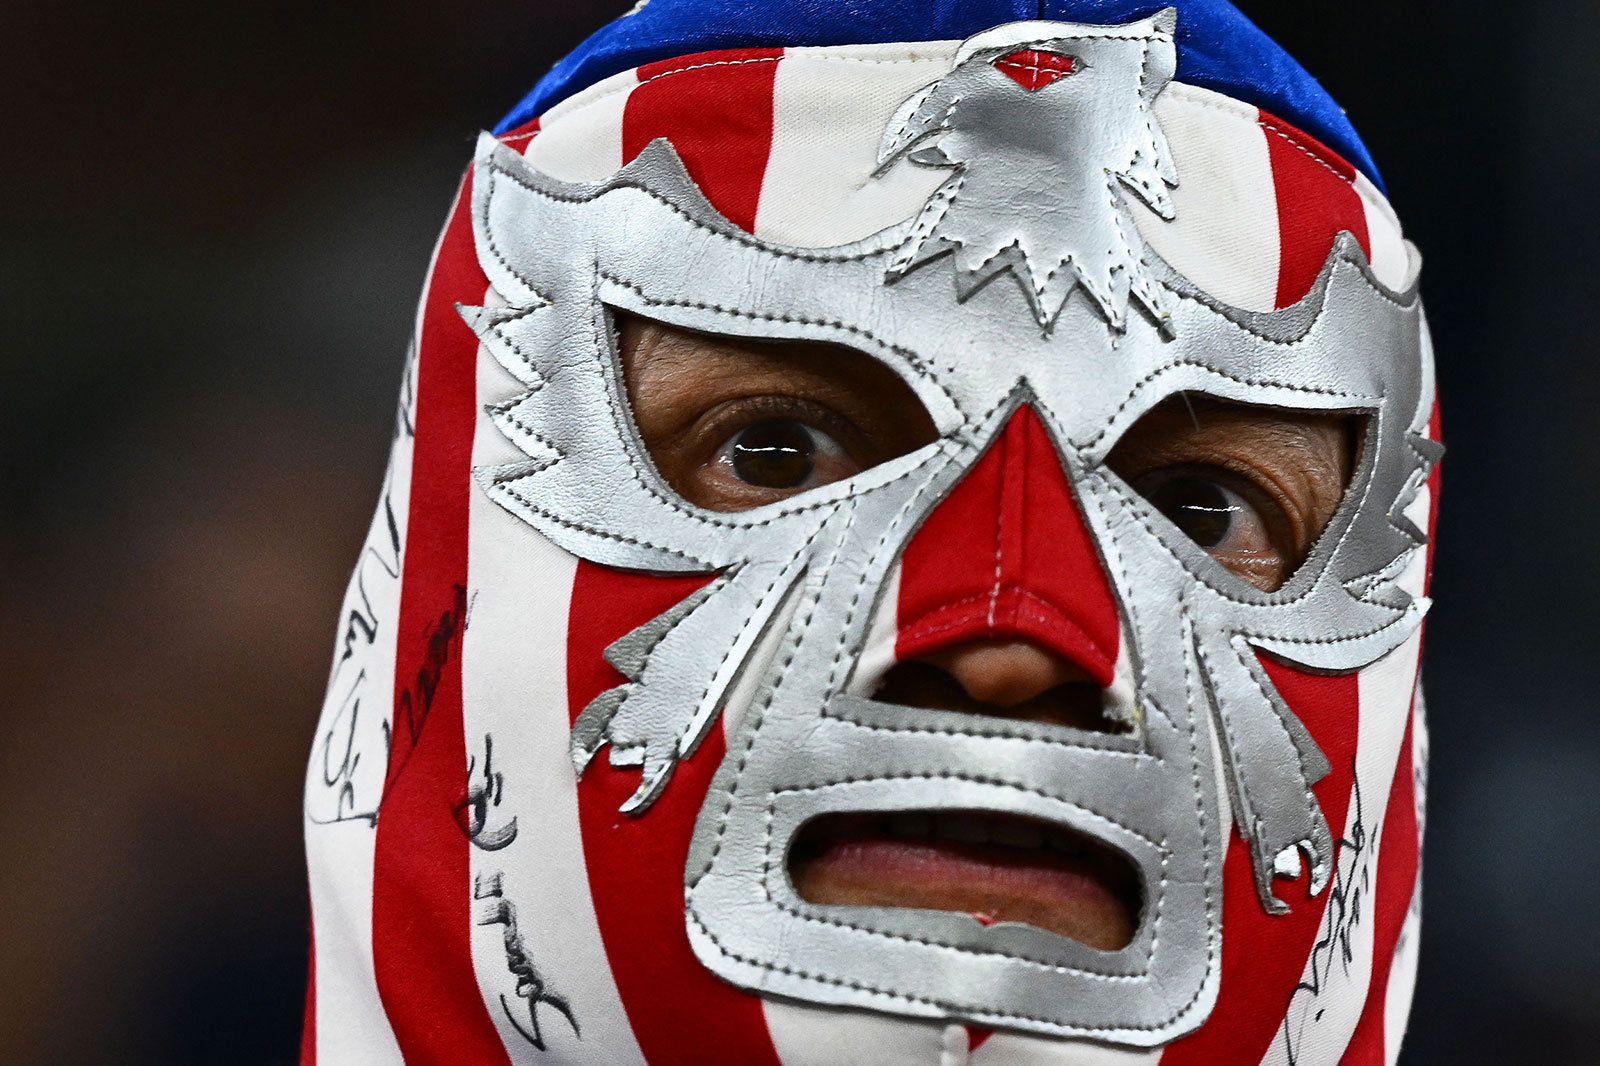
column 733, row 423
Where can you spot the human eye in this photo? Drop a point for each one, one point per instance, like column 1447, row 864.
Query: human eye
column 767, row 448
column 1253, row 486
column 783, row 453
column 1242, row 531
column 733, row 423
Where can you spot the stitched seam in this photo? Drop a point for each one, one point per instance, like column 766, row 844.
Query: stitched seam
column 528, row 359
column 628, row 87
column 951, row 1006
column 1053, row 742
column 910, row 113
column 1056, row 617
column 1263, row 124
column 756, row 715
column 1195, row 362
column 1309, row 153
column 766, row 619
column 916, row 361
column 620, row 418
column 1004, row 458
column 1312, row 806
column 507, row 416
column 891, row 529
column 772, row 967
column 733, row 236
column 1189, row 668
column 707, row 66
column 1230, row 749
column 759, row 713
column 1134, row 505
column 602, row 345
column 508, row 488
column 1119, row 578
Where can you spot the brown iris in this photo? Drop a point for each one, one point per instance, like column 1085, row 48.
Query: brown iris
column 776, row 453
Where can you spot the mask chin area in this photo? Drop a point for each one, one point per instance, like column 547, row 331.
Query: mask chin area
column 995, row 867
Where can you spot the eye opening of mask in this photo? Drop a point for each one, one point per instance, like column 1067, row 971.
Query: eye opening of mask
column 996, row 867
column 1254, row 486
column 733, row 423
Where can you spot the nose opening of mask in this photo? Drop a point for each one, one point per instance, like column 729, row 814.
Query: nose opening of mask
column 1012, row 680
column 1255, row 487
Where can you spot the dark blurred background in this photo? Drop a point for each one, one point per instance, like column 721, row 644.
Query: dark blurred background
column 213, row 226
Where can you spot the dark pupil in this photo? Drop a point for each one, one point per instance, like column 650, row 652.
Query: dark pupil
column 1197, row 507
column 775, row 454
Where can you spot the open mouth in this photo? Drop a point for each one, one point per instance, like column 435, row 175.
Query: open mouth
column 995, row 867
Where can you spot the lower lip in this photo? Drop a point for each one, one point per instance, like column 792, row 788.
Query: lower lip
column 1089, row 898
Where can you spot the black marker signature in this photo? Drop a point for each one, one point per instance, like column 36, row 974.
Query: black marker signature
column 1336, row 944
column 342, row 776
column 530, row 985
column 415, row 702
column 484, row 790
column 404, row 424
column 342, row 746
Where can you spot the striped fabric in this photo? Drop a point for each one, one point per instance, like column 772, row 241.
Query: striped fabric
column 473, row 903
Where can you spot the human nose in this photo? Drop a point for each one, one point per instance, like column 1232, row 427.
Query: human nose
column 1004, row 673
column 1016, row 679
column 1003, row 605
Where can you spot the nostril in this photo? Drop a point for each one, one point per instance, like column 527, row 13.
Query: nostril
column 1006, row 673
column 1002, row 679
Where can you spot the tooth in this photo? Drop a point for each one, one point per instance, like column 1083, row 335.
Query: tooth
column 967, row 828
column 1019, row 834
column 912, row 823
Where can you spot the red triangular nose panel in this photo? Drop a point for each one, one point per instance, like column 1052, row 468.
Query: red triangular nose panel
column 1007, row 555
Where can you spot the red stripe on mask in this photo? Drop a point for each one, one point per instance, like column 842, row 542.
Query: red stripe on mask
column 1317, row 200
column 1397, row 881
column 716, row 109
column 1007, row 556
column 308, row 1031
column 680, row 1013
column 1264, row 955
column 421, row 916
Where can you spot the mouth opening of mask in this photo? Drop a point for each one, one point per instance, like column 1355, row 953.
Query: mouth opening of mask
column 995, row 867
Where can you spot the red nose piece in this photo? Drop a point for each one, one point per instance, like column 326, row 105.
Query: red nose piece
column 1033, row 70
column 1007, row 555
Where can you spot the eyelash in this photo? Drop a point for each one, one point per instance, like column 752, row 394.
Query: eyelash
column 731, row 416
column 1247, row 483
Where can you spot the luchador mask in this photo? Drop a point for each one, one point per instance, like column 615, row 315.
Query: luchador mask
column 581, row 727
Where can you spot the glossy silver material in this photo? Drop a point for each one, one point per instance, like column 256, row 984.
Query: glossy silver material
column 815, row 565
column 1097, row 124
